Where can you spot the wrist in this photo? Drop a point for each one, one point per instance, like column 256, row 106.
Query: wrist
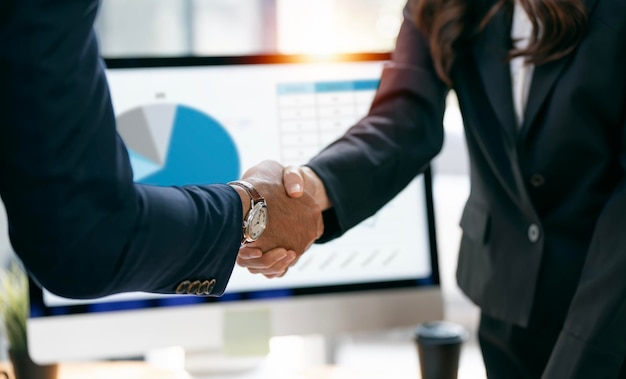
column 255, row 216
column 245, row 200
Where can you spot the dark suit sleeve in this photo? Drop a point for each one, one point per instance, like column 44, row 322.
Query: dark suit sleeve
column 80, row 225
column 383, row 152
column 593, row 341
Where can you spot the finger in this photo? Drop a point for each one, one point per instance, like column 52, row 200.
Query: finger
column 288, row 262
column 250, row 253
column 266, row 261
column 278, row 268
column 293, row 181
column 277, row 275
column 293, row 263
column 283, row 265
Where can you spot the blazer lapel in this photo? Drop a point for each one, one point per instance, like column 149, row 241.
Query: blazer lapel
column 490, row 52
column 544, row 78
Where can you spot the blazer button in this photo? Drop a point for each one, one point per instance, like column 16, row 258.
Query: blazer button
column 193, row 287
column 533, row 233
column 210, row 287
column 537, row 180
column 182, row 287
column 204, row 287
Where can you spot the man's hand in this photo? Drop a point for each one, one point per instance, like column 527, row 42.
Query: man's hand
column 293, row 223
column 298, row 183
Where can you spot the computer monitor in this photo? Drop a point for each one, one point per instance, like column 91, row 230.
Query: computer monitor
column 205, row 120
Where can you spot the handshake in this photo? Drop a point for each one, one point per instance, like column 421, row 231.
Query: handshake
column 295, row 198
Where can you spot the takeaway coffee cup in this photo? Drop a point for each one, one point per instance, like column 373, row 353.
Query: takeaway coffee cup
column 439, row 348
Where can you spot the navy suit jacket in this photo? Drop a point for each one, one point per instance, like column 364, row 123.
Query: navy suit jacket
column 544, row 228
column 80, row 225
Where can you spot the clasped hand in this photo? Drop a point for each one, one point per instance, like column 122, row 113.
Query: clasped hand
column 294, row 218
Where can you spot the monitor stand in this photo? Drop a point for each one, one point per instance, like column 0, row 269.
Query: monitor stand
column 287, row 354
column 248, row 344
column 245, row 346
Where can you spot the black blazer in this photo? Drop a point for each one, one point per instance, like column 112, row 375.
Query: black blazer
column 80, row 225
column 544, row 228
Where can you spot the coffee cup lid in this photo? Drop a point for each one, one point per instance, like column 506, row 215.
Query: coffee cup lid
column 440, row 332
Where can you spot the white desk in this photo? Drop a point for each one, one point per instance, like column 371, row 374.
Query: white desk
column 117, row 370
column 369, row 356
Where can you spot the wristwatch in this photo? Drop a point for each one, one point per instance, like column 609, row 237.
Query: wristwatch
column 255, row 222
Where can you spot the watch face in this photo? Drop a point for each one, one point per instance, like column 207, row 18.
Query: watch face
column 257, row 221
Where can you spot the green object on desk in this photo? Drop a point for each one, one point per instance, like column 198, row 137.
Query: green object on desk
column 247, row 332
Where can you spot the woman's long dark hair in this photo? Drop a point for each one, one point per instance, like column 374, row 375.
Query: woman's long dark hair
column 559, row 25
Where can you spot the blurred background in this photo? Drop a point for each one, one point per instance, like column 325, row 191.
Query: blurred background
column 246, row 27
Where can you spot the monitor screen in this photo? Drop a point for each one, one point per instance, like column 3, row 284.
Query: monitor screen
column 206, row 120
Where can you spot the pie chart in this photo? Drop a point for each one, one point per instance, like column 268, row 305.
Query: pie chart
column 176, row 145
